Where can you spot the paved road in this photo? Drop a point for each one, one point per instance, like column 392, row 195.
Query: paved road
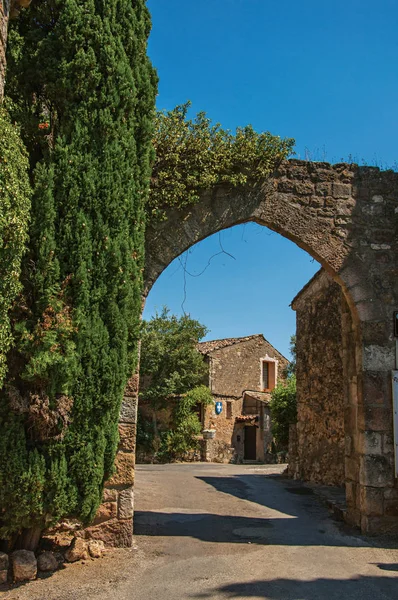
column 226, row 531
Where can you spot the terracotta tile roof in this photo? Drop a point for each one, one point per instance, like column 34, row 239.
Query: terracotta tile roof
column 211, row 346
column 241, row 418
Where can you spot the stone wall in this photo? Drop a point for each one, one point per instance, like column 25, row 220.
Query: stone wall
column 320, row 389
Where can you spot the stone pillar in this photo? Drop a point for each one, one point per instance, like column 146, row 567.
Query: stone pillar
column 371, row 282
column 114, row 521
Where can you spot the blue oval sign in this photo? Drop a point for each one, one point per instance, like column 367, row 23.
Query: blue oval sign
column 218, row 408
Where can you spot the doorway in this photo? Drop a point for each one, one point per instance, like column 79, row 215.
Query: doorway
column 250, row 442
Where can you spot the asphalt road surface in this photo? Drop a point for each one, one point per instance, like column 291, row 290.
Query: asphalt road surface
column 228, row 531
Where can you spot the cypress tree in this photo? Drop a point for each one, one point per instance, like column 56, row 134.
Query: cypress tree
column 84, row 91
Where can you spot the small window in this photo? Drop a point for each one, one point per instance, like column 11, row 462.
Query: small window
column 229, row 410
column 268, row 375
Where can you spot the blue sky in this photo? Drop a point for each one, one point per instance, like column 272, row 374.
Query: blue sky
column 324, row 73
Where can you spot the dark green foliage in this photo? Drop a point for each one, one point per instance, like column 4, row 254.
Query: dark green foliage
column 15, row 194
column 283, row 411
column 170, row 363
column 195, row 155
column 83, row 91
column 172, row 371
column 186, row 425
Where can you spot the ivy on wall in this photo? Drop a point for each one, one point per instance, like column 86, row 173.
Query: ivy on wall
column 193, row 155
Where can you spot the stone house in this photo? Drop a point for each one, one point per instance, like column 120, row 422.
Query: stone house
column 242, row 373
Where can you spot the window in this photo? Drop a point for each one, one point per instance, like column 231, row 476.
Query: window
column 268, row 375
column 229, row 410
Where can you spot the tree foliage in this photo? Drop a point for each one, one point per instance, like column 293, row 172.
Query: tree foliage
column 193, row 155
column 83, row 91
column 172, row 373
column 15, row 195
column 283, row 410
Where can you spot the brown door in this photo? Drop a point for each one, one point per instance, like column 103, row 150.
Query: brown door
column 250, row 443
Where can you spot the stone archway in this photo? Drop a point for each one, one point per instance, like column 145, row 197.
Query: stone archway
column 346, row 217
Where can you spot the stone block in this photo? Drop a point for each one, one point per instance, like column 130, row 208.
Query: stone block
column 114, row 533
column 124, row 469
column 375, row 418
column 323, row 188
column 371, row 501
column 128, row 410
column 353, row 517
column 78, row 550
column 370, row 442
column 351, row 469
column 106, row 511
column 388, row 443
column 96, row 548
column 4, row 562
column 351, row 494
column 379, row 525
column 109, row 495
column 348, row 445
column 379, row 358
column 341, row 190
column 391, row 508
column 127, row 437
column 3, row 577
column 376, row 471
column 126, row 504
column 24, row 565
column 47, row 562
column 374, row 384
column 132, row 386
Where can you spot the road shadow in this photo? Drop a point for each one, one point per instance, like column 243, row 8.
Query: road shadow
column 358, row 588
column 236, row 529
column 262, row 490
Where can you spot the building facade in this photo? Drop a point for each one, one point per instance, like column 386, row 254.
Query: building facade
column 242, row 373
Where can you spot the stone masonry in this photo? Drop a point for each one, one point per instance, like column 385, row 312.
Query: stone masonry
column 319, row 440
column 346, row 217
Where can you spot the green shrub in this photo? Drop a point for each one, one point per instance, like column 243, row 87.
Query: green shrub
column 283, row 411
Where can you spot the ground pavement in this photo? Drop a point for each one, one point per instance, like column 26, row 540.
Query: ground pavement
column 229, row 531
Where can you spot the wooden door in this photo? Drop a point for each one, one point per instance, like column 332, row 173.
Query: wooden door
column 250, row 442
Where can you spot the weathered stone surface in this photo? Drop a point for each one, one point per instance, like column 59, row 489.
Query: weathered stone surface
column 3, row 577
column 96, row 548
column 371, row 501
column 128, row 410
column 126, row 504
column 375, row 471
column 106, row 511
column 24, row 565
column 320, row 449
column 110, row 495
column 124, row 469
column 78, row 550
column 47, row 561
column 127, row 437
column 115, row 533
column 4, row 561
